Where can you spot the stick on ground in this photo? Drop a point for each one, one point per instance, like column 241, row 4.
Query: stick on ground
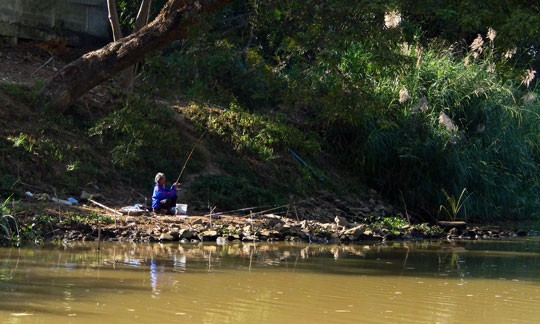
column 105, row 207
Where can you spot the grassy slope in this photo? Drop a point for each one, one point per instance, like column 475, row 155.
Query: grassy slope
column 91, row 147
column 244, row 158
column 43, row 151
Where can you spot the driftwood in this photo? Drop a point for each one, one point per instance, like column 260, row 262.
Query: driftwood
column 105, row 207
column 453, row 224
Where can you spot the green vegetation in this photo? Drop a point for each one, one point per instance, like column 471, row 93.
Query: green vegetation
column 454, row 206
column 13, row 232
column 26, row 95
column 417, row 100
column 252, row 134
column 73, row 151
column 142, row 139
column 396, row 225
column 87, row 219
column 230, row 192
column 35, row 229
column 516, row 24
column 37, row 147
column 377, row 89
column 9, row 229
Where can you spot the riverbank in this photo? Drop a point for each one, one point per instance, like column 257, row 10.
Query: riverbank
column 40, row 222
column 269, row 227
column 107, row 145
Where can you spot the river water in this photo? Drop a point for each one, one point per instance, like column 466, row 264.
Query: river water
column 423, row 282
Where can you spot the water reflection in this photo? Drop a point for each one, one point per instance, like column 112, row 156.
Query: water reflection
column 9, row 265
column 454, row 259
column 179, row 262
column 259, row 279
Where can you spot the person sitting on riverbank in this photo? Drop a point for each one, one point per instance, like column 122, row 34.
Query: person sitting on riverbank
column 163, row 199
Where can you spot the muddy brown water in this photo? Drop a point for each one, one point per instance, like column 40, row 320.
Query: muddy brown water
column 426, row 282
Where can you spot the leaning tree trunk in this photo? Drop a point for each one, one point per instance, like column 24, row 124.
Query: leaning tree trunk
column 93, row 68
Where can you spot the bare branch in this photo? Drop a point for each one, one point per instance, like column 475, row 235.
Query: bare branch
column 143, row 15
column 113, row 19
column 248, row 45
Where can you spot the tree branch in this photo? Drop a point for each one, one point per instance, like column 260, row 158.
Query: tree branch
column 143, row 15
column 113, row 19
column 93, row 68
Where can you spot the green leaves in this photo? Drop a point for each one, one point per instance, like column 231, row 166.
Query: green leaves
column 334, row 75
column 228, row 192
column 459, row 22
column 142, row 138
column 251, row 133
column 9, row 229
column 454, row 206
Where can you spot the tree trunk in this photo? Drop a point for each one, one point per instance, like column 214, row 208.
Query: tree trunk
column 143, row 15
column 127, row 77
column 93, row 68
column 113, row 20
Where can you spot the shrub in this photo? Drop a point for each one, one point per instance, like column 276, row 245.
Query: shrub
column 143, row 141
column 493, row 150
column 252, row 133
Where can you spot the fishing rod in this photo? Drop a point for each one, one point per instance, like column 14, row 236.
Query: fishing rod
column 321, row 179
column 195, row 145
column 189, row 156
column 279, row 207
column 236, row 210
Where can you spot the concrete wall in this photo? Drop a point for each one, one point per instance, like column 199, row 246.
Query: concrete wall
column 76, row 21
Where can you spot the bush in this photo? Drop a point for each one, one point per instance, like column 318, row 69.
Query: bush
column 143, row 140
column 252, row 133
column 493, row 152
column 419, row 125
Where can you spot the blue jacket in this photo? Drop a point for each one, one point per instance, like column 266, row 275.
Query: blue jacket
column 161, row 193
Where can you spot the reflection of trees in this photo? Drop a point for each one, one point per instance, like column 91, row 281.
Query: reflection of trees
column 45, row 280
column 455, row 259
column 177, row 258
column 9, row 264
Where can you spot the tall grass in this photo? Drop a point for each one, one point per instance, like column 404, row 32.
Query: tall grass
column 493, row 151
column 413, row 123
column 9, row 229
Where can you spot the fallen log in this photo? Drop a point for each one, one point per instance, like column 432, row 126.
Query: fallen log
column 452, row 224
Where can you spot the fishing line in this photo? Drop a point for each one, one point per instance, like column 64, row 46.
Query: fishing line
column 189, row 156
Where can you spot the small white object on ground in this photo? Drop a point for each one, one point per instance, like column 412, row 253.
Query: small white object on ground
column 134, row 210
column 181, row 209
column 62, row 201
column 221, row 241
column 29, row 194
